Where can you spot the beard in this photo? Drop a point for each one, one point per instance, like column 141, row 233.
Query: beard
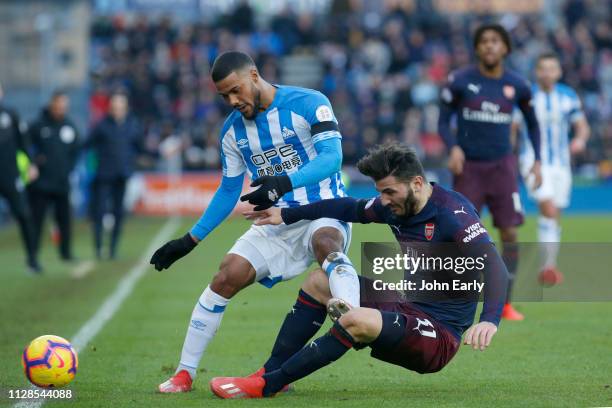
column 410, row 204
column 256, row 102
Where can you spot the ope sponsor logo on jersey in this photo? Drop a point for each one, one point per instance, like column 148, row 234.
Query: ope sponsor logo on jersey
column 289, row 160
column 473, row 231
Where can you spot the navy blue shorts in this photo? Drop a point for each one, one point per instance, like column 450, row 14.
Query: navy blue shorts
column 409, row 338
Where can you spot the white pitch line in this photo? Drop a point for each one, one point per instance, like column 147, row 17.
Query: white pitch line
column 112, row 303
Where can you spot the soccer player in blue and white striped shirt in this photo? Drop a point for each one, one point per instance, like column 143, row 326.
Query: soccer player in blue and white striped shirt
column 287, row 140
column 559, row 113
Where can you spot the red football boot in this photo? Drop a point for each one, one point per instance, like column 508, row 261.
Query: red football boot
column 180, row 382
column 258, row 373
column 262, row 371
column 510, row 313
column 237, row 387
column 550, row 276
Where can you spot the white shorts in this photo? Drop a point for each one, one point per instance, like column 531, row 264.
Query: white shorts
column 281, row 252
column 556, row 185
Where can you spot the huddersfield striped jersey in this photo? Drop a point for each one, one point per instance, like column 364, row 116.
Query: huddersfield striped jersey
column 556, row 112
column 280, row 141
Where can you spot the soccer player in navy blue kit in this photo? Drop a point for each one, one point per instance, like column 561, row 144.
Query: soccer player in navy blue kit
column 422, row 336
column 484, row 168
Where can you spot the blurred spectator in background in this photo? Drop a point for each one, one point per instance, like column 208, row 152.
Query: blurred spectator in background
column 15, row 171
column 55, row 145
column 381, row 63
column 115, row 142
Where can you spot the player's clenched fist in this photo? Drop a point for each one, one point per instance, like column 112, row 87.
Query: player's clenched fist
column 168, row 253
column 479, row 335
column 271, row 190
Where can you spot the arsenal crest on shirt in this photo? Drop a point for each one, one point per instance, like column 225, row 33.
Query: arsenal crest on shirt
column 508, row 91
column 429, row 230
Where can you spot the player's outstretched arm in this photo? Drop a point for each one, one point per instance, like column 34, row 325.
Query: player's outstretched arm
column 220, row 207
column 270, row 216
column 495, row 288
column 346, row 209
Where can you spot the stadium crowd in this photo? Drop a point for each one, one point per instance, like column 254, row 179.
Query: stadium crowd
column 382, row 69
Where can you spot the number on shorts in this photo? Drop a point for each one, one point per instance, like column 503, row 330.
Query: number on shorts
column 425, row 332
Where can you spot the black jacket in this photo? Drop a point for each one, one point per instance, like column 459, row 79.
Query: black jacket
column 55, row 145
column 116, row 146
column 11, row 140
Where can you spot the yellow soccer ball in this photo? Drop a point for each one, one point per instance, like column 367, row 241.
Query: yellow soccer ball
column 50, row 361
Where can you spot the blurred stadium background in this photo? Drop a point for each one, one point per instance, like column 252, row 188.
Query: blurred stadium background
column 382, row 64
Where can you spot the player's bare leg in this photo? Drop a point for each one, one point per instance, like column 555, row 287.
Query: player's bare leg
column 549, row 236
column 235, row 273
column 509, row 237
column 316, row 285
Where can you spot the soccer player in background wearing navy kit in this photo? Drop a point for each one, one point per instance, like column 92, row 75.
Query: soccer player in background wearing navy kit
column 287, row 140
column 481, row 158
column 421, row 336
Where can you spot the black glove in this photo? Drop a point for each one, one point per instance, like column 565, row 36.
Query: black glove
column 271, row 190
column 171, row 251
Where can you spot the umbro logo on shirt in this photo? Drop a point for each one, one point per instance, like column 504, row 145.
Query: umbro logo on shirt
column 242, row 143
column 287, row 133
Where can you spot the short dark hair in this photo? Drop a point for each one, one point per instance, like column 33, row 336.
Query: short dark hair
column 499, row 29
column 119, row 92
column 58, row 93
column 229, row 62
column 391, row 159
column 547, row 55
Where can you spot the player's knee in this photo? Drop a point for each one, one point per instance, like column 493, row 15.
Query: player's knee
column 325, row 241
column 548, row 209
column 355, row 325
column 233, row 275
column 317, row 286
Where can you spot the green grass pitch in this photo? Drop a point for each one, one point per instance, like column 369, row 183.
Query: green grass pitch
column 561, row 355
